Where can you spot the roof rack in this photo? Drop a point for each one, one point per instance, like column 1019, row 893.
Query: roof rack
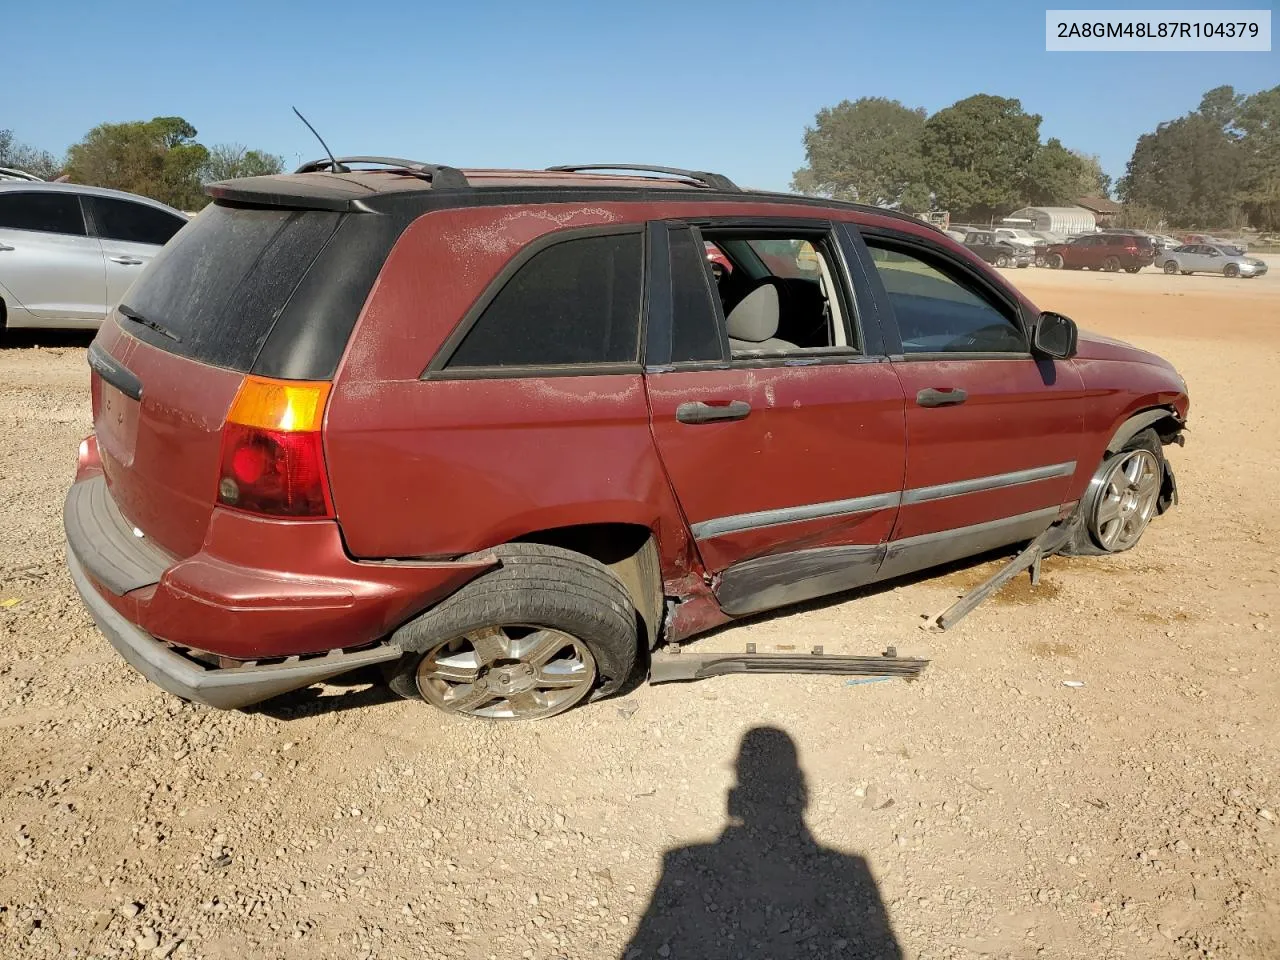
column 10, row 173
column 439, row 174
column 715, row 181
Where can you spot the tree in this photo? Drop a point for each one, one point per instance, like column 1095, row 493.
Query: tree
column 1258, row 121
column 20, row 156
column 158, row 158
column 1093, row 181
column 976, row 155
column 228, row 161
column 866, row 150
column 1220, row 107
column 1189, row 169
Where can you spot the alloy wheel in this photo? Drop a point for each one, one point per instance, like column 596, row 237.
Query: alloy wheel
column 1124, row 499
column 510, row 672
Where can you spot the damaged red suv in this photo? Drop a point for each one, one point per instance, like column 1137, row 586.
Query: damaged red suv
column 504, row 433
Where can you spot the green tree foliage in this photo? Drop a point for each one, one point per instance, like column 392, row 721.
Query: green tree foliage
column 228, row 161
column 1258, row 123
column 1191, row 169
column 866, row 150
column 977, row 154
column 1093, row 181
column 20, row 156
column 158, row 158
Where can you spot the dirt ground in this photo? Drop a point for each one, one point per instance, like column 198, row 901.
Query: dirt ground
column 987, row 810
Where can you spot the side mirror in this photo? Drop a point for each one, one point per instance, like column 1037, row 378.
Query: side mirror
column 1055, row 336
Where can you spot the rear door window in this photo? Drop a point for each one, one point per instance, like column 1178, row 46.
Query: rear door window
column 572, row 303
column 133, row 222
column 43, row 212
column 218, row 289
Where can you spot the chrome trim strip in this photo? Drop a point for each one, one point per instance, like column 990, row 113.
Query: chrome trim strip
column 979, row 484
column 1047, row 514
column 771, row 518
column 719, row 526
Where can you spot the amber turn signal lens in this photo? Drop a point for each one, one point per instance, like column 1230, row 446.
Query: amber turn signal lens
column 291, row 406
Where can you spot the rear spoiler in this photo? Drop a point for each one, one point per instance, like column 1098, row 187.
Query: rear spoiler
column 302, row 192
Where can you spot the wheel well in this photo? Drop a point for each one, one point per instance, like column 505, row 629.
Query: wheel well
column 1160, row 419
column 630, row 551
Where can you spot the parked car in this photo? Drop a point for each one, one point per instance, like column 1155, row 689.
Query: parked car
column 1229, row 261
column 1101, row 251
column 1018, row 237
column 1002, row 253
column 500, row 433
column 68, row 253
column 11, row 173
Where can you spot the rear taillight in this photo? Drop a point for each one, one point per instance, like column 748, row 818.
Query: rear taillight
column 272, row 456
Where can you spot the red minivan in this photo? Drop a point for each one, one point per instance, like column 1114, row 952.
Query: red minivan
column 504, row 433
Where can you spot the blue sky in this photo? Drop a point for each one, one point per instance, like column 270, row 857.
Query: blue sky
column 718, row 86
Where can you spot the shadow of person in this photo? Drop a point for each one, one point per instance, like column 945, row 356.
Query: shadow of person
column 765, row 888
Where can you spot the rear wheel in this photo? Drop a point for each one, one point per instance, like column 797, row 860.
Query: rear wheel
column 526, row 641
column 1122, row 497
column 1134, row 269
column 1231, row 270
column 1186, row 273
column 1111, row 264
column 1170, row 267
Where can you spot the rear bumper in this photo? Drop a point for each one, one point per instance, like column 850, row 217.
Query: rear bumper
column 225, row 688
column 258, row 589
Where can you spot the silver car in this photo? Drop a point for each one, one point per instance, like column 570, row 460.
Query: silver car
column 68, row 253
column 1210, row 258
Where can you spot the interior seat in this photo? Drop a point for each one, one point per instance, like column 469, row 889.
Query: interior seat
column 754, row 321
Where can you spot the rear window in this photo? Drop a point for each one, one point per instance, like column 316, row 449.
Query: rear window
column 576, row 302
column 219, row 287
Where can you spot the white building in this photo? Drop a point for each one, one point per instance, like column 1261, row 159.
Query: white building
column 1065, row 221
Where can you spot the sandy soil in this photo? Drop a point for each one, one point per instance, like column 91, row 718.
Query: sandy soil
column 984, row 811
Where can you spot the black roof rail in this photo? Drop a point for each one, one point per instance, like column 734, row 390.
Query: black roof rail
column 439, row 174
column 716, row 181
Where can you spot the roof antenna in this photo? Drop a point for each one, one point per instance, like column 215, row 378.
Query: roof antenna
column 335, row 167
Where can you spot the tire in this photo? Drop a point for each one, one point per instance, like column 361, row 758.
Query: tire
column 1095, row 534
column 1231, row 270
column 527, row 640
column 1055, row 261
column 1002, row 261
column 1170, row 267
column 1023, row 265
column 1134, row 269
column 1111, row 264
column 1186, row 273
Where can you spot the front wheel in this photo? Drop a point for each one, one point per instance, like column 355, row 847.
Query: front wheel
column 1002, row 261
column 1231, row 270
column 526, row 641
column 1170, row 267
column 1055, row 262
column 1122, row 498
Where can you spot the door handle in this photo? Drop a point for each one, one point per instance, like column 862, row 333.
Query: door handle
column 945, row 397
column 699, row 412
column 4, row 246
column 127, row 261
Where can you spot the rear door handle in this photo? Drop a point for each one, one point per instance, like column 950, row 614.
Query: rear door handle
column 946, row 397
column 699, row 412
column 127, row 261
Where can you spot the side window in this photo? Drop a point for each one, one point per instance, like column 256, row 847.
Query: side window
column 695, row 330
column 133, row 222
column 782, row 294
column 575, row 302
column 42, row 211
column 939, row 312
